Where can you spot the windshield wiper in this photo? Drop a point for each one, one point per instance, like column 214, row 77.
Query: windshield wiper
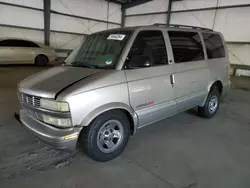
column 81, row 64
column 84, row 65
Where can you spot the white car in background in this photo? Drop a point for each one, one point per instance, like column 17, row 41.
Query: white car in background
column 19, row 51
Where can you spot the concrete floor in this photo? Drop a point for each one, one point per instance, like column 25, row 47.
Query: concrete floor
column 184, row 151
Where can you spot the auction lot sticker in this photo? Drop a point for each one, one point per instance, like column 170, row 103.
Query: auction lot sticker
column 116, row 37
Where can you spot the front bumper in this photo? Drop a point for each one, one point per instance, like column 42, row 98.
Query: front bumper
column 59, row 139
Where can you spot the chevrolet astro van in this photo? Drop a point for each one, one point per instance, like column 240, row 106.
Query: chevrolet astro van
column 120, row 80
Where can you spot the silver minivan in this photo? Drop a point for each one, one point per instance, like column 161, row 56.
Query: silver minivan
column 120, row 80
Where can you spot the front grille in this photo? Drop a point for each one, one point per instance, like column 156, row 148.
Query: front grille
column 30, row 100
column 35, row 115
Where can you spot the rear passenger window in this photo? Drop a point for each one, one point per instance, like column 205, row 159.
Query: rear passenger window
column 186, row 46
column 214, row 45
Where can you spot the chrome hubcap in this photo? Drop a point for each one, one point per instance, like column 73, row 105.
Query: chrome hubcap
column 110, row 136
column 213, row 104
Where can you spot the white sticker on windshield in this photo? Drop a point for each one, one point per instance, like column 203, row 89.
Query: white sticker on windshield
column 116, row 37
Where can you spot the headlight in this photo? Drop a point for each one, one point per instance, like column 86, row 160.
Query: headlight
column 54, row 105
column 59, row 122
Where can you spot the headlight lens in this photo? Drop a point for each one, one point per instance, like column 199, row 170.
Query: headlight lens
column 54, row 105
column 59, row 122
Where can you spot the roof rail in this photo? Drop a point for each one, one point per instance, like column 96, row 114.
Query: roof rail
column 183, row 26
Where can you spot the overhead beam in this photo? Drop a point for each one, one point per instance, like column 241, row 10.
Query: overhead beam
column 20, row 6
column 68, row 32
column 38, row 29
column 135, row 3
column 169, row 12
column 123, row 16
column 46, row 11
column 21, row 27
column 212, row 8
column 129, row 3
column 82, row 17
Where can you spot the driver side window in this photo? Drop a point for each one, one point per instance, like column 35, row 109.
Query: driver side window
column 147, row 50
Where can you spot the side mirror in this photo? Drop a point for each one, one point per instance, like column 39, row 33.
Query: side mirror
column 138, row 61
column 146, row 63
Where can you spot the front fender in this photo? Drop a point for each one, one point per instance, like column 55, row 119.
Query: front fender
column 107, row 107
column 88, row 105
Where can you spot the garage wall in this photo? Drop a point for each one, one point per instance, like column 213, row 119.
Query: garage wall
column 71, row 16
column 28, row 3
column 20, row 22
column 197, row 4
column 28, row 34
column 64, row 41
column 21, row 17
column 146, row 20
column 71, row 20
column 239, row 54
column 149, row 7
column 231, row 21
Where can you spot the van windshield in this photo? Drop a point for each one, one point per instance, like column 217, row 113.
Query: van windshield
column 100, row 50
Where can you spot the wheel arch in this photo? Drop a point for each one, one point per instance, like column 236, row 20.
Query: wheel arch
column 127, row 110
column 215, row 83
column 218, row 84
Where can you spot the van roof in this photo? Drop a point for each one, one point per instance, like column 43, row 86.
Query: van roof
column 178, row 27
column 183, row 26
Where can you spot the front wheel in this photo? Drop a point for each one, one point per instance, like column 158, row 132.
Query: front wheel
column 106, row 137
column 212, row 104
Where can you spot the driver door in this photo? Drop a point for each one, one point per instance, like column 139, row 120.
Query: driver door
column 148, row 75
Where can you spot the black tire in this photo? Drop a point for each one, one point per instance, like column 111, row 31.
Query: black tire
column 90, row 135
column 205, row 111
column 41, row 60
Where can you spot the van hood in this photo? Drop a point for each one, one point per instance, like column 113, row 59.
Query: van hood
column 48, row 83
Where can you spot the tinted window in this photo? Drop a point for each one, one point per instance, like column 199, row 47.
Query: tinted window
column 186, row 46
column 214, row 45
column 17, row 43
column 147, row 50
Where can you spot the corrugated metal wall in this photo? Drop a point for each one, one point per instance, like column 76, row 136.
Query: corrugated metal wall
column 67, row 28
column 233, row 22
column 97, row 9
column 15, row 16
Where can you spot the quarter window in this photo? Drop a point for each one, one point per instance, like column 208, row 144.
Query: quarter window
column 214, row 45
column 148, row 50
column 186, row 46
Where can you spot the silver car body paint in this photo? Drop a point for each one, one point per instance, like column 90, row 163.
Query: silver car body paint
column 147, row 94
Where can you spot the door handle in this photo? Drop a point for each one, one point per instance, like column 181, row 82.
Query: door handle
column 172, row 80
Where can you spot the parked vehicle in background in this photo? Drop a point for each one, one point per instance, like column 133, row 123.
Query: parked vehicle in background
column 19, row 51
column 121, row 80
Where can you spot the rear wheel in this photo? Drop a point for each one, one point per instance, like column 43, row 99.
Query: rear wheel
column 41, row 60
column 212, row 104
column 107, row 136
